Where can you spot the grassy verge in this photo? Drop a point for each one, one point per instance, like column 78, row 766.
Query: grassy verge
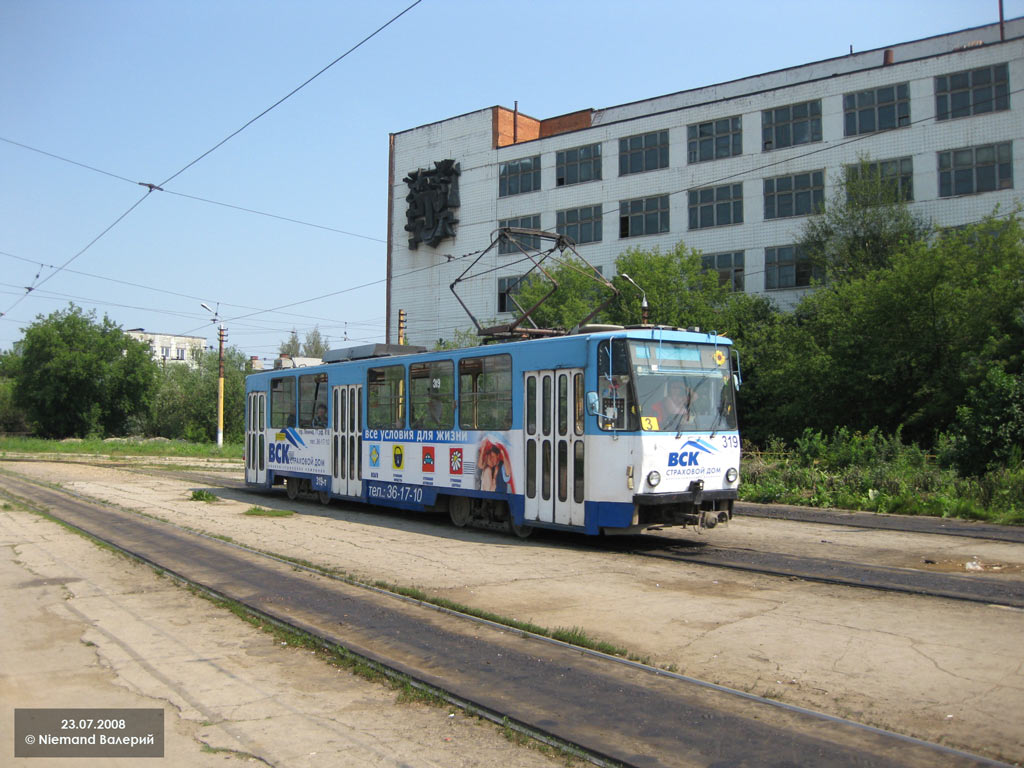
column 878, row 473
column 121, row 447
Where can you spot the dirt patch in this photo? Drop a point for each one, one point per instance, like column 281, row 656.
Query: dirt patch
column 936, row 669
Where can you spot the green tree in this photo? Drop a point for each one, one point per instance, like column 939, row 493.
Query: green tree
column 903, row 345
column 291, row 346
column 680, row 292
column 460, row 339
column 863, row 224
column 315, row 345
column 577, row 295
column 77, row 376
column 185, row 406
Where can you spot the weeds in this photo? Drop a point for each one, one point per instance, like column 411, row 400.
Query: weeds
column 126, row 447
column 204, row 495
column 878, row 473
column 261, row 512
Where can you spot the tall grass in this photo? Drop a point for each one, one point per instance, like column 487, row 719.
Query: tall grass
column 121, row 447
column 878, row 473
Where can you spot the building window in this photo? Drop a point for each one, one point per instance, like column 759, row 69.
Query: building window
column 508, row 287
column 577, row 165
column 644, row 216
column 973, row 170
column 714, row 140
column 519, row 176
column 798, row 195
column 581, row 225
column 165, row 352
column 972, row 92
column 508, row 244
column 898, row 172
column 789, row 126
column 646, row 152
column 729, row 267
column 787, row 266
column 877, row 110
column 179, row 353
column 716, row 206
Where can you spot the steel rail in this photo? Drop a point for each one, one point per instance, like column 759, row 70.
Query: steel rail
column 596, row 756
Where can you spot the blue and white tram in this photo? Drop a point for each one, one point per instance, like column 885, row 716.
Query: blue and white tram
column 611, row 431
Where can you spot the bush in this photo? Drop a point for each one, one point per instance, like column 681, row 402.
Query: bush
column 875, row 472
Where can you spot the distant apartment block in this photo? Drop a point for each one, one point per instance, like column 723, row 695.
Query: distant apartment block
column 732, row 169
column 170, row 348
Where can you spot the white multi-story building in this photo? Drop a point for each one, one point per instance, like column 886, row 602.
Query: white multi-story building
column 731, row 169
column 169, row 348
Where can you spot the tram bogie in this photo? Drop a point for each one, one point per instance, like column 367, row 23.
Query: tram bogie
column 607, row 432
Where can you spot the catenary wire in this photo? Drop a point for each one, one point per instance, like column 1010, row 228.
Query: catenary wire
column 280, row 101
column 152, row 187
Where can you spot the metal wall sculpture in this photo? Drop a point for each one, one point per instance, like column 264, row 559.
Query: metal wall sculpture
column 433, row 199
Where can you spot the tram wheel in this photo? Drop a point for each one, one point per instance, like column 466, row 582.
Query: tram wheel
column 291, row 485
column 519, row 531
column 324, row 496
column 460, row 509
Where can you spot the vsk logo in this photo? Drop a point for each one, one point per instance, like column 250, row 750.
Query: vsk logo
column 397, row 457
column 279, row 453
column 689, row 453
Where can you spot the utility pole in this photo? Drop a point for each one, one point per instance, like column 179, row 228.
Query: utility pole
column 401, row 326
column 222, row 335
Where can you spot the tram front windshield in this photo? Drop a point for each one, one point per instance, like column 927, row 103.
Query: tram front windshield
column 682, row 387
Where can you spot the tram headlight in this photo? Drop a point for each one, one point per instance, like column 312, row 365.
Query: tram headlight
column 653, row 478
column 731, row 474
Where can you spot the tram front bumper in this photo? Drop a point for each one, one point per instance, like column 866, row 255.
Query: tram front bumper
column 694, row 506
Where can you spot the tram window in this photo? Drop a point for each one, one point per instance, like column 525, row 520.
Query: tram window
column 545, row 406
column 545, row 480
column 282, row 402
column 354, row 414
column 563, row 403
column 485, row 392
column 577, row 472
column 531, row 469
column 615, row 387
column 577, row 402
column 531, row 405
column 312, row 395
column 563, row 470
column 386, row 393
column 339, row 411
column 432, row 394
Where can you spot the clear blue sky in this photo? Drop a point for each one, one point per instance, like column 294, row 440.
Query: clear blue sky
column 139, row 89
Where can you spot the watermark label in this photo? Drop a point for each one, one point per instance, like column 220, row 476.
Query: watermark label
column 88, row 733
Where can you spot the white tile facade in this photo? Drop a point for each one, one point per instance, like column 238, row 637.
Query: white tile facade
column 419, row 279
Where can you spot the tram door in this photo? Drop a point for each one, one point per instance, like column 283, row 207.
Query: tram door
column 256, row 439
column 347, row 441
column 555, row 466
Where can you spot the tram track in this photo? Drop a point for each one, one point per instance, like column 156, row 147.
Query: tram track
column 971, row 588
column 646, row 717
column 975, row 589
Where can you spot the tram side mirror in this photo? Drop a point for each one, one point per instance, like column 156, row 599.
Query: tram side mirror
column 736, row 382
column 593, row 404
